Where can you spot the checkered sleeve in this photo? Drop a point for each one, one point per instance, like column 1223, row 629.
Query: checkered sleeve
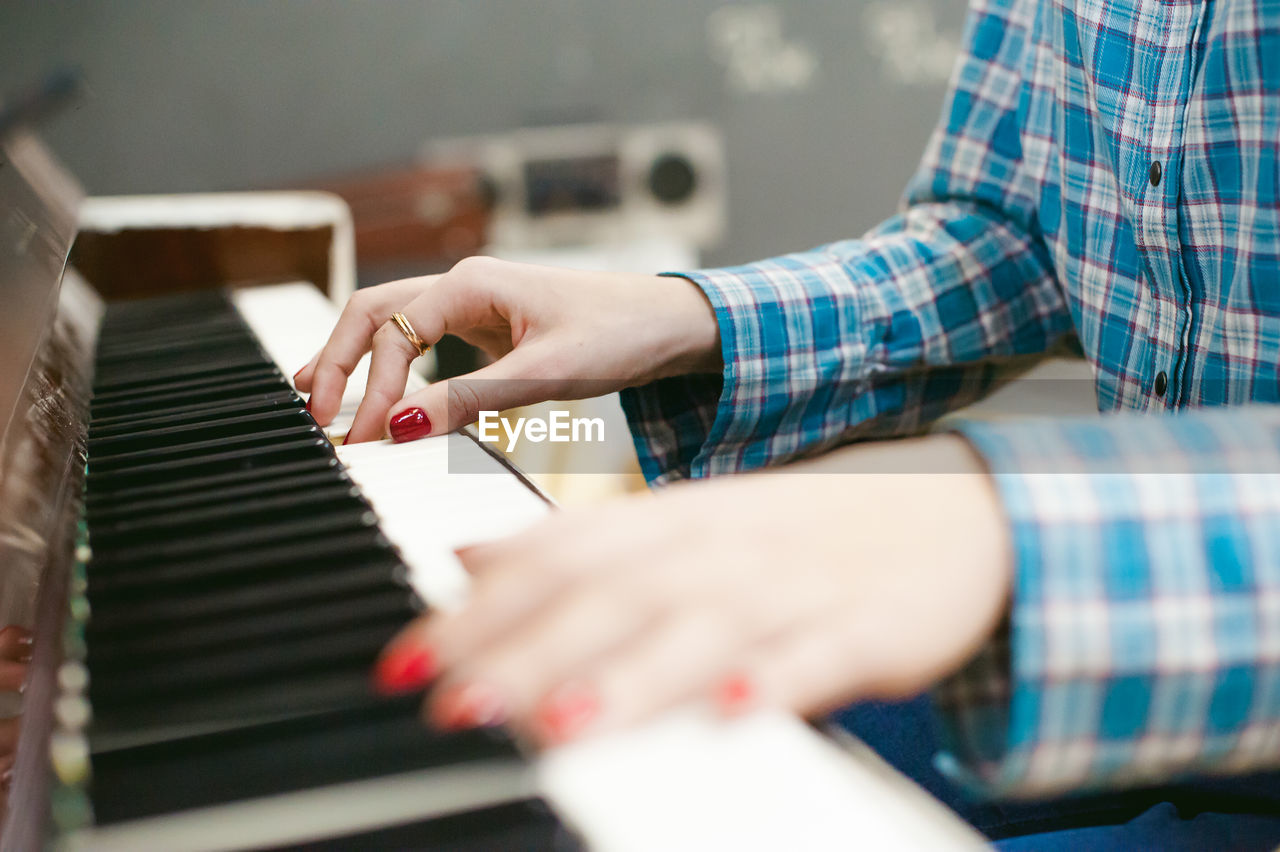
column 877, row 336
column 1143, row 640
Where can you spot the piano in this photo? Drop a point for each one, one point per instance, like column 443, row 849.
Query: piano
column 209, row 576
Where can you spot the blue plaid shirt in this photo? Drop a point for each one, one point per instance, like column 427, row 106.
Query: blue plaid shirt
column 1108, row 169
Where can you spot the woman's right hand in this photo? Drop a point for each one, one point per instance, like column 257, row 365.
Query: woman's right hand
column 554, row 334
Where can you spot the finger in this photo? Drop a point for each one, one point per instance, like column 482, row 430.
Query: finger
column 388, row 374
column 446, row 306
column 350, row 339
column 302, row 379
column 796, row 670
column 461, row 302
column 420, row 651
column 664, row 666
column 446, row 406
column 428, row 645
column 515, row 578
column 15, row 643
column 12, row 675
column 552, row 646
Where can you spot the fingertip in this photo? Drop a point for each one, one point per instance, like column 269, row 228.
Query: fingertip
column 320, row 402
column 409, row 424
column 566, row 713
column 303, row 378
column 463, row 706
column 473, row 557
column 735, row 694
column 405, row 668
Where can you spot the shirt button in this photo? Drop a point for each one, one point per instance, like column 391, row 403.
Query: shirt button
column 1155, row 173
column 1162, row 383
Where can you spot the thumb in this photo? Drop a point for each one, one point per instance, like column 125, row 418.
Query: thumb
column 448, row 405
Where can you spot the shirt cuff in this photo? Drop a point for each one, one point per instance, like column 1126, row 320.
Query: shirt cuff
column 1143, row 636
column 679, row 424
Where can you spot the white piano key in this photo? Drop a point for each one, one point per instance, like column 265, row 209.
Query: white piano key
column 764, row 782
column 428, row 513
column 314, row 814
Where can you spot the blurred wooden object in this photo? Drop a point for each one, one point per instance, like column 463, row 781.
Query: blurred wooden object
column 147, row 245
column 415, row 217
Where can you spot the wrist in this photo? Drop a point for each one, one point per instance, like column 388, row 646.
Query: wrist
column 690, row 339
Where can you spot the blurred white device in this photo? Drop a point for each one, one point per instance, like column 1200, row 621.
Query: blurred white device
column 589, row 184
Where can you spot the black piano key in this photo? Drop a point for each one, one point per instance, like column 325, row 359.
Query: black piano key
column 133, row 556
column 300, row 619
column 212, row 344
column 161, row 401
column 298, row 449
column 135, row 459
column 186, row 383
column 177, row 371
column 298, row 554
column 237, row 514
column 214, row 353
column 149, row 607
column 99, row 497
column 123, row 510
column 280, row 400
column 199, row 303
column 377, row 739
column 148, row 679
column 174, row 326
column 166, row 718
column 525, row 825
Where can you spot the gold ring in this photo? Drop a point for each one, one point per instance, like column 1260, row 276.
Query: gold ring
column 402, row 323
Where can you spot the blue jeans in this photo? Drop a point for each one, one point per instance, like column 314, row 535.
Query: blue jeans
column 1239, row 813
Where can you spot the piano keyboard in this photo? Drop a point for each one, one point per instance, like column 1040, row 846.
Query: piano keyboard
column 245, row 572
column 240, row 590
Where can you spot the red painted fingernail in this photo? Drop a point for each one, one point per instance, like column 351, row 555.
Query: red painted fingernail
column 735, row 694
column 468, row 705
column 308, row 405
column 410, row 425
column 404, row 670
column 567, row 711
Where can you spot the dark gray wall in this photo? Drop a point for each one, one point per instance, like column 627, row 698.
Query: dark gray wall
column 186, row 96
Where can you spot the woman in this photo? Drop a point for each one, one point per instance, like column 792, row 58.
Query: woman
column 1106, row 170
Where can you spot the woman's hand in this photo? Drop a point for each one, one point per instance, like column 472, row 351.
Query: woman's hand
column 794, row 589
column 555, row 334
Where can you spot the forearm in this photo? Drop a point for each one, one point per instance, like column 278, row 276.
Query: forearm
column 864, row 338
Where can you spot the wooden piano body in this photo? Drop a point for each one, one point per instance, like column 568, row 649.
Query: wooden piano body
column 103, row 748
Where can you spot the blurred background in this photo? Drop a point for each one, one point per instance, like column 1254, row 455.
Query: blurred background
column 822, row 119
column 647, row 135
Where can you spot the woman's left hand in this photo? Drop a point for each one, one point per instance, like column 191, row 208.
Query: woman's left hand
column 794, row 589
